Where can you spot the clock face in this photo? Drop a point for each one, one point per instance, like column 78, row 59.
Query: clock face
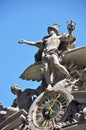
column 50, row 109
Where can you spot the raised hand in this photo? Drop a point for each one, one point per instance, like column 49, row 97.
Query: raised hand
column 21, row 41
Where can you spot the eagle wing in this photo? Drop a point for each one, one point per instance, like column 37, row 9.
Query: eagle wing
column 33, row 72
column 76, row 56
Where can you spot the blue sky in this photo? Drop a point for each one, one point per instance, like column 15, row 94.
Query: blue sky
column 29, row 19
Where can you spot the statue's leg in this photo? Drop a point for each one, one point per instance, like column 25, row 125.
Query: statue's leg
column 61, row 68
column 52, row 73
column 47, row 72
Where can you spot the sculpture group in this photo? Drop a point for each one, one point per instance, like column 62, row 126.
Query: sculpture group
column 59, row 102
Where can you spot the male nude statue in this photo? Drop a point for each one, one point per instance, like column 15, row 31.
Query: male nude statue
column 50, row 54
column 23, row 99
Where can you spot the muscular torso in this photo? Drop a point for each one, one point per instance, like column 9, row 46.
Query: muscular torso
column 51, row 43
column 24, row 100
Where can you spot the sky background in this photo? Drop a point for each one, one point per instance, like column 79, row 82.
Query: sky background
column 29, row 19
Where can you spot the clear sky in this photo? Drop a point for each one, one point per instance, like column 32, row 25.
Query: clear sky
column 29, row 19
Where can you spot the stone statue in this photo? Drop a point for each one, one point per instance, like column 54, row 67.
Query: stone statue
column 24, row 98
column 61, row 96
column 49, row 47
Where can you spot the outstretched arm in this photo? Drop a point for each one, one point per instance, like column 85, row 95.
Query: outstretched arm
column 38, row 44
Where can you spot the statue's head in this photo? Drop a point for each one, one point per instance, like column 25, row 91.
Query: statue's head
column 54, row 28
column 15, row 89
